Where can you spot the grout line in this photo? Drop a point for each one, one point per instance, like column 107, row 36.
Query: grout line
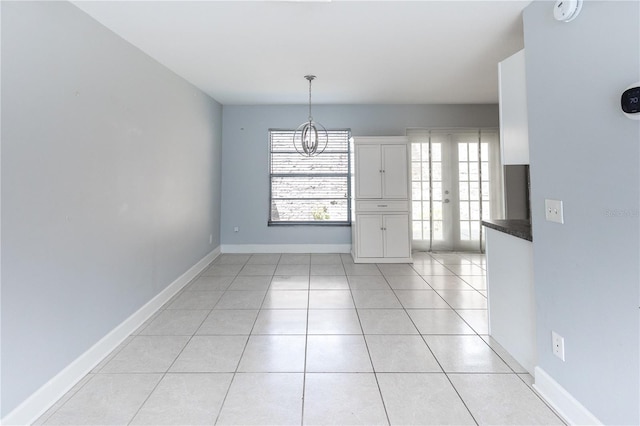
column 42, row 420
column 233, row 377
column 440, row 365
column 164, row 374
column 366, row 344
column 306, row 346
column 513, row 372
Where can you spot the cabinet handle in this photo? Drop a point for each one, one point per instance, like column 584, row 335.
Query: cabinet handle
column 383, row 205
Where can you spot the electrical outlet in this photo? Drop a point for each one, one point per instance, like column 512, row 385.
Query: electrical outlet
column 557, row 343
column 236, row 229
column 553, row 211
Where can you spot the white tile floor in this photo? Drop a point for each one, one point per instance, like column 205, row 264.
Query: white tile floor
column 314, row 339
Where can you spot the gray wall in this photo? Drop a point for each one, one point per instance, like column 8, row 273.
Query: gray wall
column 110, row 186
column 245, row 174
column 586, row 153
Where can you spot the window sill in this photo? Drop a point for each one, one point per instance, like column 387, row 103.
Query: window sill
column 318, row 223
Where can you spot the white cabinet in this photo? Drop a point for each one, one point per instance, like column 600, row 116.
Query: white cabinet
column 514, row 128
column 381, row 235
column 381, row 171
column 381, row 229
column 397, row 243
column 370, row 239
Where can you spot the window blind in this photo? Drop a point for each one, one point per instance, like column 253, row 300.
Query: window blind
column 309, row 190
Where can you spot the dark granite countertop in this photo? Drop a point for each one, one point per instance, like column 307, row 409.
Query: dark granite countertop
column 517, row 227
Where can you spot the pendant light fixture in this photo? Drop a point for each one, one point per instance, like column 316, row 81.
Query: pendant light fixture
column 310, row 138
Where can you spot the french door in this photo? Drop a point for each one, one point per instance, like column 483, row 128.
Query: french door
column 456, row 181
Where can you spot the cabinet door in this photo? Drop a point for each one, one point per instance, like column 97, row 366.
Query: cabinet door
column 514, row 133
column 396, row 235
column 395, row 171
column 370, row 239
column 368, row 166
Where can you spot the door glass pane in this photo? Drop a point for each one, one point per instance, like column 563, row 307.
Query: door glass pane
column 436, row 152
column 438, row 233
column 416, row 152
column 425, row 151
column 416, row 190
column 484, row 151
column 473, row 171
column 475, row 231
column 464, row 230
column 425, row 209
column 462, row 152
column 486, row 195
column 417, row 230
column 416, row 169
column 437, row 190
column 437, row 210
column 426, row 230
column 463, row 191
column 416, row 210
column 425, row 192
column 436, row 170
column 473, row 152
column 425, row 172
column 463, row 171
column 474, row 190
column 485, row 171
column 474, row 210
column 486, row 210
column 464, row 210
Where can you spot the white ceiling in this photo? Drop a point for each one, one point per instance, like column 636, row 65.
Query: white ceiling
column 362, row 52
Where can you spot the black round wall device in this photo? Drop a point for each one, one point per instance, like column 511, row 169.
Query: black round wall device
column 630, row 102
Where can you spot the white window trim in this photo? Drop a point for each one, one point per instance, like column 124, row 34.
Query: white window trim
column 346, row 176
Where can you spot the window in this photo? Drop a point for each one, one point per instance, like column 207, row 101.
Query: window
column 309, row 190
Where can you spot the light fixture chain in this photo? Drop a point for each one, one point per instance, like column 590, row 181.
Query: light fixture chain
column 310, row 138
column 310, row 78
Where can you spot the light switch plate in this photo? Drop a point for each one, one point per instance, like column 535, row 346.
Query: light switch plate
column 553, row 211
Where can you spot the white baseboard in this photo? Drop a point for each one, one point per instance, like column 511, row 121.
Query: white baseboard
column 571, row 410
column 40, row 401
column 381, row 259
column 286, row 248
